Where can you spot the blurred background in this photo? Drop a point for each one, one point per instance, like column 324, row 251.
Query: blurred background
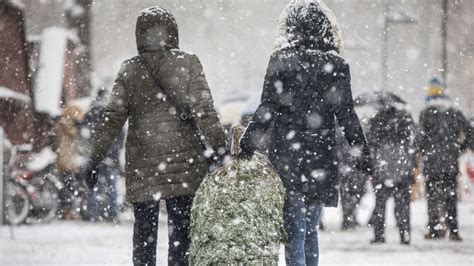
column 57, row 55
column 393, row 45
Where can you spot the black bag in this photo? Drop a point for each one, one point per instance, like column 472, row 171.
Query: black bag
column 184, row 114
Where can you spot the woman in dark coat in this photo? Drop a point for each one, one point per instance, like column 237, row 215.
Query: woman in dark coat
column 306, row 91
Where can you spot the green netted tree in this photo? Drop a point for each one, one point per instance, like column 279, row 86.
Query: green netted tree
column 237, row 214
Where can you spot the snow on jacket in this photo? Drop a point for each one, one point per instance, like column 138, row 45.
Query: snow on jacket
column 306, row 90
column 309, row 23
column 444, row 133
column 163, row 155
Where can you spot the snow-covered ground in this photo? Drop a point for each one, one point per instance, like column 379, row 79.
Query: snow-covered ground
column 82, row 243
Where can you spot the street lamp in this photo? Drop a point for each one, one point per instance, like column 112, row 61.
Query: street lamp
column 396, row 17
column 444, row 41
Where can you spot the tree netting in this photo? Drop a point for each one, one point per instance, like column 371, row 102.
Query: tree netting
column 237, row 215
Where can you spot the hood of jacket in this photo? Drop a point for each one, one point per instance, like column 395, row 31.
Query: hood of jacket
column 441, row 102
column 311, row 24
column 156, row 16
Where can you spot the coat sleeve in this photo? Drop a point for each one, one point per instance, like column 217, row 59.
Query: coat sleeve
column 266, row 111
column 467, row 130
column 373, row 133
column 421, row 135
column 202, row 108
column 344, row 109
column 112, row 120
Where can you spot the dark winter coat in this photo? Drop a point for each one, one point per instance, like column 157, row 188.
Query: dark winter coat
column 163, row 154
column 352, row 178
column 391, row 135
column 92, row 119
column 444, row 133
column 306, row 92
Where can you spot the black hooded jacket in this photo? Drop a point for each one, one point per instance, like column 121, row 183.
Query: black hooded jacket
column 306, row 93
column 391, row 134
column 444, row 134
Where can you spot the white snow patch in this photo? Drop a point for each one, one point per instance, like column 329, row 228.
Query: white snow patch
column 75, row 9
column 42, row 159
column 153, row 11
column 442, row 104
column 291, row 135
column 11, row 94
column 49, row 84
column 17, row 3
column 58, row 243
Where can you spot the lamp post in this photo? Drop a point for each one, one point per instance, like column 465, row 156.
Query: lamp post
column 397, row 17
column 444, row 41
column 79, row 17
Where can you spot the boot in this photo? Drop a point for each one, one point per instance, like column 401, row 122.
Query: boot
column 348, row 227
column 405, row 238
column 454, row 236
column 378, row 240
column 433, row 235
column 442, row 232
column 379, row 233
column 349, row 224
column 371, row 221
column 321, row 226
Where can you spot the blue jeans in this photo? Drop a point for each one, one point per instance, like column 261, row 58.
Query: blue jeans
column 301, row 221
column 103, row 201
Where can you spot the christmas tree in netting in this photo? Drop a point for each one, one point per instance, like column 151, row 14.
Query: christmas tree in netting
column 237, row 214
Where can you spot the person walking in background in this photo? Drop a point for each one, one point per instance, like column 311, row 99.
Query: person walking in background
column 353, row 181
column 391, row 136
column 306, row 90
column 70, row 157
column 444, row 134
column 164, row 157
column 102, row 200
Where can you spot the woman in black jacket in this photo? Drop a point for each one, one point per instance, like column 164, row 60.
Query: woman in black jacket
column 306, row 92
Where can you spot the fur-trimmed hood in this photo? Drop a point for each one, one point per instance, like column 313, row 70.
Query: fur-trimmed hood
column 309, row 23
column 440, row 102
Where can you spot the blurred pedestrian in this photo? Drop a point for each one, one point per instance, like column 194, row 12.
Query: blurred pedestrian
column 164, row 95
column 306, row 90
column 70, row 157
column 391, row 136
column 102, row 200
column 353, row 181
column 444, row 134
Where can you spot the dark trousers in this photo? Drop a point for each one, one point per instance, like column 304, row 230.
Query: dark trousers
column 349, row 203
column 352, row 190
column 145, row 231
column 401, row 194
column 102, row 200
column 71, row 196
column 442, row 198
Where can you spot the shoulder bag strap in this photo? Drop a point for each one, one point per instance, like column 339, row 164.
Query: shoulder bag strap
column 185, row 116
